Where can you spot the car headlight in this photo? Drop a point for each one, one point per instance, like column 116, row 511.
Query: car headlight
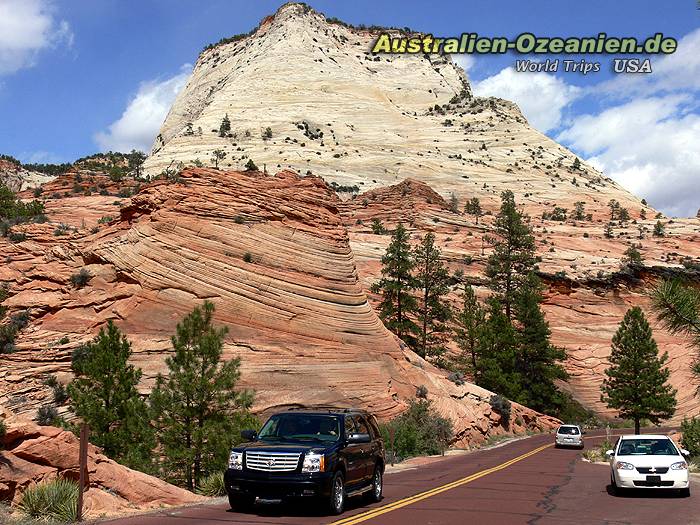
column 681, row 465
column 313, row 462
column 621, row 465
column 235, row 460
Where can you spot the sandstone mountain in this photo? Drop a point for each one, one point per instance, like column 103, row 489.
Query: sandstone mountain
column 305, row 93
column 18, row 178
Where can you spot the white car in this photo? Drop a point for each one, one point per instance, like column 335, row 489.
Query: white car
column 569, row 436
column 648, row 462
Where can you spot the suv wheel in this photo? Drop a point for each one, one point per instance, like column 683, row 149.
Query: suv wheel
column 337, row 499
column 240, row 503
column 375, row 494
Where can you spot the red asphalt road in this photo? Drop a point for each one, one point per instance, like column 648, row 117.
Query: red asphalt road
column 552, row 486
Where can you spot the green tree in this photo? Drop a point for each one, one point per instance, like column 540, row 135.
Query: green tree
column 136, row 160
column 396, row 286
column 218, row 155
column 496, row 353
column 251, row 166
column 677, row 305
column 608, row 231
column 473, row 207
column 635, row 383
column 632, row 257
column 470, row 320
column 538, row 361
column 225, row 127
column 454, row 203
column 579, row 211
column 659, row 229
column 433, row 310
column 196, row 407
column 104, row 394
column 514, row 253
column 614, row 206
column 576, row 164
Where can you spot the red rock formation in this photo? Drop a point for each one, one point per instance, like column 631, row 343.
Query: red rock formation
column 34, row 453
column 272, row 253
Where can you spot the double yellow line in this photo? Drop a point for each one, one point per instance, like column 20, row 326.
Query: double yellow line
column 373, row 513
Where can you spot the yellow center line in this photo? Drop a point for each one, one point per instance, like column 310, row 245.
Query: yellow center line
column 373, row 513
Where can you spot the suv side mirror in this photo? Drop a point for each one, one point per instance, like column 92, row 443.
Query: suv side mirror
column 249, row 435
column 610, row 453
column 685, row 452
column 358, row 438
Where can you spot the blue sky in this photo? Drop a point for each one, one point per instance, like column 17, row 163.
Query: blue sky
column 79, row 76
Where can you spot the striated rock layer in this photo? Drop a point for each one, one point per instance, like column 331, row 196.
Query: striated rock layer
column 273, row 255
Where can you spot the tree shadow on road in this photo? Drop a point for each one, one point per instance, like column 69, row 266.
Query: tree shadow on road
column 303, row 508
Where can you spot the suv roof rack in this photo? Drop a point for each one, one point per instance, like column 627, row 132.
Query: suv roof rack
column 326, row 408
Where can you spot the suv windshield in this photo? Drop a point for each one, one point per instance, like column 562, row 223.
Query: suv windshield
column 647, row 447
column 301, row 427
column 568, row 430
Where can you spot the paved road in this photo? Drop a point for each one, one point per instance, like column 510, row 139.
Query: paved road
column 524, row 482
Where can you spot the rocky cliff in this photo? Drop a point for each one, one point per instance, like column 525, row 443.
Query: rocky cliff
column 273, row 255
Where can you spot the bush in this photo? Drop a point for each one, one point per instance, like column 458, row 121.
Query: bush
column 377, row 227
column 46, row 415
column 250, row 166
column 501, row 405
column 3, row 431
column 80, row 278
column 213, row 485
column 248, row 257
column 54, row 500
column 418, row 431
column 691, row 436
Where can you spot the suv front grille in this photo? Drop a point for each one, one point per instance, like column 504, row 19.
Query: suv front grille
column 272, row 461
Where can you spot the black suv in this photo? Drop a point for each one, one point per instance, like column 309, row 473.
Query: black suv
column 317, row 453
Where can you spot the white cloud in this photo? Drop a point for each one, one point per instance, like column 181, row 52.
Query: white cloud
column 649, row 145
column 27, row 27
column 542, row 97
column 143, row 116
column 465, row 61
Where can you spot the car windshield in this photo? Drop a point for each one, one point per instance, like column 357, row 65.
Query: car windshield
column 568, row 430
column 647, row 447
column 301, row 427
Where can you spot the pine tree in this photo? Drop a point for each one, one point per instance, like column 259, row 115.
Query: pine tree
column 470, row 321
column 632, row 258
column 636, row 379
column 677, row 305
column 136, row 160
column 433, row 310
column 225, row 127
column 539, row 362
column 196, row 407
column 104, row 395
column 454, row 203
column 608, row 231
column 396, row 286
column 496, row 351
column 473, row 207
column 659, row 229
column 579, row 211
column 217, row 155
column 514, row 253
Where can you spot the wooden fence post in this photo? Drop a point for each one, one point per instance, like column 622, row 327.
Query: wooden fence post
column 84, row 436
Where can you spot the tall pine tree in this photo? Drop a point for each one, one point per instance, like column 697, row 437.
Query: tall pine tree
column 470, row 320
column 396, row 286
column 433, row 310
column 196, row 407
column 539, row 362
column 514, row 253
column 636, row 380
column 497, row 363
column 104, row 395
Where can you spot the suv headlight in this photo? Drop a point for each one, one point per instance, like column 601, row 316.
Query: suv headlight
column 235, row 460
column 313, row 462
column 621, row 465
column 681, row 465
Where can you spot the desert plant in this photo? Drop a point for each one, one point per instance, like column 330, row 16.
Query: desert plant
column 46, row 415
column 501, row 405
column 213, row 485
column 54, row 500
column 251, row 166
column 80, row 278
column 247, row 257
column 377, row 227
